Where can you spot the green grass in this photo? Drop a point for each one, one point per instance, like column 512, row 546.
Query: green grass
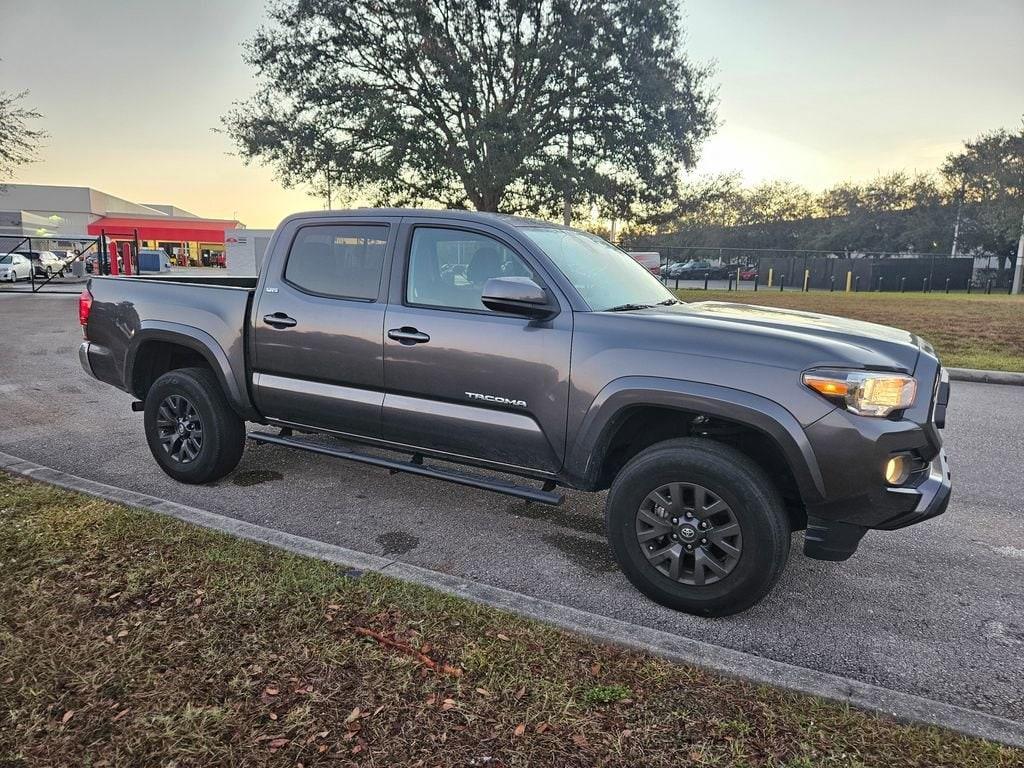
column 968, row 331
column 131, row 639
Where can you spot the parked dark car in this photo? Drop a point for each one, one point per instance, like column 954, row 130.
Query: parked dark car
column 717, row 429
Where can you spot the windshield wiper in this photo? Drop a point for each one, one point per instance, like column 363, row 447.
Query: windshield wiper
column 669, row 302
column 628, row 307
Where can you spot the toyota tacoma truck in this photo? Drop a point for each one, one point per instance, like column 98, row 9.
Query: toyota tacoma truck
column 508, row 346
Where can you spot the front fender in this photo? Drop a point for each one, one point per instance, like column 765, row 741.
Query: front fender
column 612, row 404
column 231, row 376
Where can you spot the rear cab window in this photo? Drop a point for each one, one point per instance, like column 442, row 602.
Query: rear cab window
column 343, row 261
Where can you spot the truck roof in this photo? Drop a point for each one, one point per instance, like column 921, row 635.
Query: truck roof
column 453, row 214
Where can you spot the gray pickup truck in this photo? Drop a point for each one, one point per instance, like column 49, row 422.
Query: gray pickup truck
column 522, row 348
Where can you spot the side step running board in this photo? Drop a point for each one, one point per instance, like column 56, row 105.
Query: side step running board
column 416, row 467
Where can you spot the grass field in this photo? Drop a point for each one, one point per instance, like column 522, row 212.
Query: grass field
column 968, row 331
column 131, row 639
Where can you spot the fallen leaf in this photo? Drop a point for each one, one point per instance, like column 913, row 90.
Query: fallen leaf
column 483, row 691
column 580, row 741
column 271, row 691
column 595, row 669
column 447, row 704
column 120, row 715
column 277, row 743
column 273, row 715
column 627, row 733
column 377, row 711
column 520, row 730
column 541, row 727
column 431, row 699
column 502, row 636
column 123, row 633
column 113, row 596
column 68, row 715
column 352, row 715
column 521, row 692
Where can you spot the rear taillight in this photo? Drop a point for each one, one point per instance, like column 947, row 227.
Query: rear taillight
column 84, row 307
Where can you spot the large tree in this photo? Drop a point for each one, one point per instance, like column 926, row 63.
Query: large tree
column 502, row 105
column 989, row 178
column 19, row 141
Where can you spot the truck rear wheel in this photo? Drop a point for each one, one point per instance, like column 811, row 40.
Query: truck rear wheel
column 192, row 431
column 697, row 526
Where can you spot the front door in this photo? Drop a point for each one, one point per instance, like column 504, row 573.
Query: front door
column 318, row 326
column 464, row 380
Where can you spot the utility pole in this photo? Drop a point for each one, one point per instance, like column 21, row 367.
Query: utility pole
column 328, row 174
column 956, row 227
column 1018, row 270
column 567, row 203
column 567, row 200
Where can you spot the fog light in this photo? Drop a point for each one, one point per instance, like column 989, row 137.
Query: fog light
column 897, row 470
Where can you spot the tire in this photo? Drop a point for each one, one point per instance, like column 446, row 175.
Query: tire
column 192, row 395
column 14, row 276
column 747, row 562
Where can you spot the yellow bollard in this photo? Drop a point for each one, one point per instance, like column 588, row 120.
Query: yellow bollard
column 807, row 279
column 849, row 280
column 770, row 271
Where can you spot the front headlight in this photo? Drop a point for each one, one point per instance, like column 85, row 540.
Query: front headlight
column 867, row 393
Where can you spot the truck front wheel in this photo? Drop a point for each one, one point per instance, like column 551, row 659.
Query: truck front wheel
column 192, row 431
column 697, row 526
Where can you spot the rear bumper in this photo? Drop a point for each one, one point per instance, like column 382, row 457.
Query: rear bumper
column 83, row 358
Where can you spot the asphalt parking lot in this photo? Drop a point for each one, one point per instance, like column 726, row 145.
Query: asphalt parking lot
column 935, row 610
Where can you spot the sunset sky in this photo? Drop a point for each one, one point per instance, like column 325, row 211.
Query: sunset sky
column 813, row 92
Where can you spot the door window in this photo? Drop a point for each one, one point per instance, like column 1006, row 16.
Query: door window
column 449, row 267
column 342, row 261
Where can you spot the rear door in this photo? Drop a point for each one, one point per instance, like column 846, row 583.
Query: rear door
column 461, row 379
column 318, row 325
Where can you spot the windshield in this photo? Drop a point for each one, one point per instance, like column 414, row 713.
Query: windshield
column 605, row 276
column 6, row 259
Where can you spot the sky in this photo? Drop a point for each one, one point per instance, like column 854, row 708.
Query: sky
column 810, row 91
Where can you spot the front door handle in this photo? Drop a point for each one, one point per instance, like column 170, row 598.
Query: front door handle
column 279, row 320
column 407, row 335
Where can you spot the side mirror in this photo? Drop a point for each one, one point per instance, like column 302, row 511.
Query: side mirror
column 517, row 296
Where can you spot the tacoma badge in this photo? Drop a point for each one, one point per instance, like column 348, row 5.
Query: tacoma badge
column 496, row 399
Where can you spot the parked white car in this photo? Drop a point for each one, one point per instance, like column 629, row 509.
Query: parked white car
column 14, row 267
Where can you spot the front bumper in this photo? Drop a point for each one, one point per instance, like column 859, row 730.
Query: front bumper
column 831, row 539
column 852, row 452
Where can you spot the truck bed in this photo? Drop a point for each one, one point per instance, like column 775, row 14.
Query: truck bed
column 127, row 311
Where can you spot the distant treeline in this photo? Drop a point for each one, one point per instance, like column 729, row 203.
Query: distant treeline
column 977, row 197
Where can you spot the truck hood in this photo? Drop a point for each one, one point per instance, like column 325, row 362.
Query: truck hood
column 827, row 339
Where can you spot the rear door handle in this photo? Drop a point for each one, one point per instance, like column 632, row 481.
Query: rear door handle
column 279, row 320
column 407, row 335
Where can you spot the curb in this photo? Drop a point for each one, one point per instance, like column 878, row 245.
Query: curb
column 903, row 707
column 986, row 377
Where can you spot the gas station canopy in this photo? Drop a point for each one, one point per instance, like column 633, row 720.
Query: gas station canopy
column 164, row 228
